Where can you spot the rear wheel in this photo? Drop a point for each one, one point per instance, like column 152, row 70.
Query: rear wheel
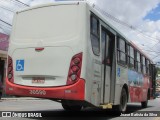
column 71, row 107
column 144, row 104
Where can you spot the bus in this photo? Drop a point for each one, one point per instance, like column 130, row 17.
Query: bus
column 69, row 53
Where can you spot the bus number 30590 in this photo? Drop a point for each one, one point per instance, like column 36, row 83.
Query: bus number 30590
column 37, row 92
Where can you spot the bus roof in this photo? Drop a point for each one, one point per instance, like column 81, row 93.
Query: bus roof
column 52, row 4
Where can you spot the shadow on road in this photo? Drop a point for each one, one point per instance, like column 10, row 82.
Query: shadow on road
column 91, row 113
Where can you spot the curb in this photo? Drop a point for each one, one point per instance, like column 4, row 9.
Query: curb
column 20, row 98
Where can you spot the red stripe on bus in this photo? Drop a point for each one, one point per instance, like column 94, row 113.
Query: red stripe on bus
column 72, row 92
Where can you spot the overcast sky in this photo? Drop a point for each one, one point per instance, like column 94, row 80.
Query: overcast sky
column 144, row 15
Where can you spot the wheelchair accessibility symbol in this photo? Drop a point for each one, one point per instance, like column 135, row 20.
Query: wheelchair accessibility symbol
column 19, row 65
column 118, row 72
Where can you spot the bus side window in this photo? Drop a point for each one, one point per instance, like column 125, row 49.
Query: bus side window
column 131, row 60
column 95, row 41
column 147, row 66
column 128, row 54
column 141, row 62
column 138, row 62
column 144, row 65
column 121, row 51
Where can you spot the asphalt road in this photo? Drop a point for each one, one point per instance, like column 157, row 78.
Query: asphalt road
column 47, row 108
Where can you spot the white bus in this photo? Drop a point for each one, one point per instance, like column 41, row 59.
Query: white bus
column 68, row 52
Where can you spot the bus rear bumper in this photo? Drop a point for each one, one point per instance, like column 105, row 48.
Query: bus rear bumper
column 71, row 92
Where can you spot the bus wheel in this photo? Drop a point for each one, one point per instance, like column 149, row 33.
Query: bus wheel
column 144, row 104
column 121, row 108
column 123, row 101
column 71, row 107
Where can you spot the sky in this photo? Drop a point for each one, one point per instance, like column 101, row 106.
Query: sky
column 143, row 15
column 153, row 14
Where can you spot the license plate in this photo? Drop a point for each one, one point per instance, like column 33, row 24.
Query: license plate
column 38, row 80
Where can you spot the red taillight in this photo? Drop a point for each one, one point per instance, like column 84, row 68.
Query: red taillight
column 74, row 69
column 39, row 49
column 10, row 69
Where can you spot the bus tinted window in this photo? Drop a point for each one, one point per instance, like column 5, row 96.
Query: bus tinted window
column 94, row 25
column 95, row 45
column 131, row 63
column 147, row 66
column 122, row 45
column 131, row 52
column 143, row 60
column 143, row 67
column 138, row 62
column 138, row 56
column 121, row 51
column 95, row 35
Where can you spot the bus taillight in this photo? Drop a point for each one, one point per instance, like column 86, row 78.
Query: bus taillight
column 10, row 69
column 74, row 69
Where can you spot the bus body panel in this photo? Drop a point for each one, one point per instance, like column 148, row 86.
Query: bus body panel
column 72, row 92
column 87, row 56
column 121, row 79
column 47, row 66
column 138, row 86
column 50, row 64
column 47, row 53
column 39, row 27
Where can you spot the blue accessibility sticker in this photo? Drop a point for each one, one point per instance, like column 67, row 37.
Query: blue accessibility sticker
column 118, row 72
column 19, row 65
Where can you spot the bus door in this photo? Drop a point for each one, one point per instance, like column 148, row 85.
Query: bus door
column 107, row 40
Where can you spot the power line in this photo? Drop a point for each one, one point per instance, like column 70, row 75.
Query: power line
column 156, row 44
column 16, row 3
column 123, row 23
column 7, row 27
column 151, row 51
column 11, row 2
column 5, row 22
column 21, row 3
column 10, row 8
column 4, row 30
column 156, row 56
column 7, row 9
column 127, row 26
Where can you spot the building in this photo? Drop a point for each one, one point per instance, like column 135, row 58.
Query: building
column 4, row 42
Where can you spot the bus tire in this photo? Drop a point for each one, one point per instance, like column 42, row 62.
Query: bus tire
column 144, row 104
column 121, row 108
column 71, row 107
